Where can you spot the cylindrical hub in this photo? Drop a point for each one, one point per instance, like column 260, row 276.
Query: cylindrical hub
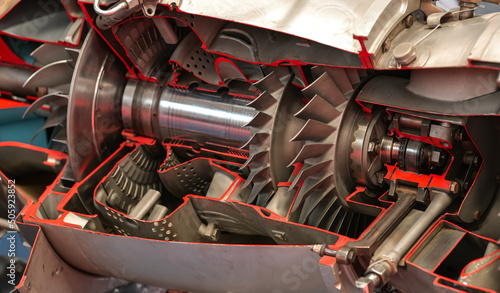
column 163, row 112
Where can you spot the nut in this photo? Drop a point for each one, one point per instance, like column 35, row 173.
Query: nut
column 437, row 158
column 454, row 187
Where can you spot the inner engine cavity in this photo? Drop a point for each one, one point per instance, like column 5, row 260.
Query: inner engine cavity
column 412, row 155
column 186, row 129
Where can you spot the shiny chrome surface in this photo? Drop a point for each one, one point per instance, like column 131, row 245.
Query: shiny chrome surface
column 164, row 112
column 204, row 118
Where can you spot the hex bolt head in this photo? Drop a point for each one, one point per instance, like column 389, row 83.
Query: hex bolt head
column 437, row 158
column 454, row 187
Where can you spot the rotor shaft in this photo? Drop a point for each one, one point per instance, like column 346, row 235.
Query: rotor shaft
column 163, row 112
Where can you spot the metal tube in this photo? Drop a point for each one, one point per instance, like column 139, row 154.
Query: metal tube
column 440, row 202
column 140, row 210
column 111, row 11
column 379, row 272
column 159, row 212
column 166, row 30
column 13, row 79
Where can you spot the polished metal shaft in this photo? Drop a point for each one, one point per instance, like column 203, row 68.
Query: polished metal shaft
column 163, row 112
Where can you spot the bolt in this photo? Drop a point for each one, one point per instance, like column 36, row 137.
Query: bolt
column 454, row 187
column 29, row 286
column 409, row 21
column 477, row 215
column 351, row 256
column 318, row 248
column 373, row 147
column 280, row 236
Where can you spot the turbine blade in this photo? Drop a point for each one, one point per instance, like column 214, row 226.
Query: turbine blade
column 310, row 185
column 56, row 118
column 339, row 76
column 259, row 120
column 311, row 150
column 312, row 202
column 260, row 187
column 48, row 53
column 261, row 172
column 55, row 75
column 309, row 171
column 257, row 138
column 318, row 109
column 73, row 54
column 263, row 101
column 314, row 130
column 269, row 83
column 326, row 88
column 353, row 75
column 255, row 157
column 49, row 98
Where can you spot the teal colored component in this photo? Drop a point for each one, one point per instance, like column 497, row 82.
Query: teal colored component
column 22, row 48
column 14, row 128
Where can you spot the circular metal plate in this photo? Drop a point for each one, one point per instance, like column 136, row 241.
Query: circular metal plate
column 94, row 124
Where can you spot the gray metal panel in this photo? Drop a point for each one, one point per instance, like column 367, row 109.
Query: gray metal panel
column 438, row 248
column 331, row 23
column 47, row 272
column 37, row 20
column 486, row 50
column 451, row 45
column 190, row 266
